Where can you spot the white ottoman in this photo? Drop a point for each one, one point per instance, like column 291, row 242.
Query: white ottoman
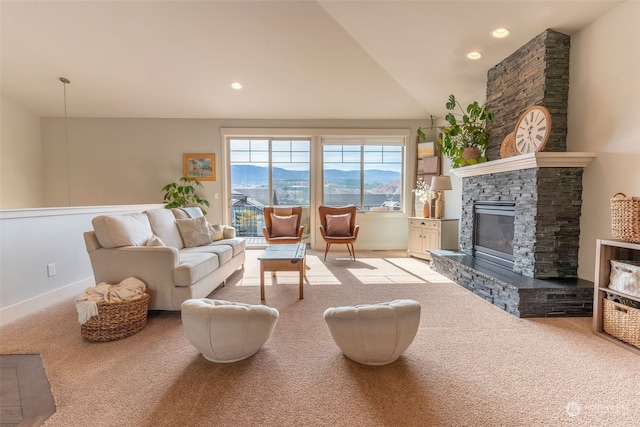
column 226, row 331
column 374, row 334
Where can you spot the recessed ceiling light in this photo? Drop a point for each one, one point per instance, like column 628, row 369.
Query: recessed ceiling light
column 501, row 33
column 236, row 85
column 474, row 55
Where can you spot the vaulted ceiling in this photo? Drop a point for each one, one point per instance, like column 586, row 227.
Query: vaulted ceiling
column 295, row 59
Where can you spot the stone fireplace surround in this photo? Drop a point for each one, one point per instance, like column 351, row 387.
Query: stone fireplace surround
column 547, row 191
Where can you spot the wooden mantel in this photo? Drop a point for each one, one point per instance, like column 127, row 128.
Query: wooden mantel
column 527, row 161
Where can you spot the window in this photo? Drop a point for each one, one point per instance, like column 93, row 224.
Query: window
column 366, row 172
column 267, row 172
column 311, row 166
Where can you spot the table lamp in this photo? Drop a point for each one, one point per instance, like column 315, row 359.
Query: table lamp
column 439, row 184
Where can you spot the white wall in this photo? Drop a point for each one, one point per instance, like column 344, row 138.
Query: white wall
column 21, row 164
column 32, row 238
column 604, row 102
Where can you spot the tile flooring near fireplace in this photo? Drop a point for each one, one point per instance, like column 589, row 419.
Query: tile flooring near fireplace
column 25, row 395
column 516, row 294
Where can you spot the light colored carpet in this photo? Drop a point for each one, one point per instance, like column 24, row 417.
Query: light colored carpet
column 470, row 364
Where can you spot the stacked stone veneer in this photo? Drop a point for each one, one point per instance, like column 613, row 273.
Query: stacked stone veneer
column 536, row 74
column 517, row 296
column 548, row 203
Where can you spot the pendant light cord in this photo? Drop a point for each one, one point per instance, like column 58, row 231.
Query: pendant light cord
column 65, row 82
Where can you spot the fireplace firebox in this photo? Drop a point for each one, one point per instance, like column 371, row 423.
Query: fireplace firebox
column 493, row 231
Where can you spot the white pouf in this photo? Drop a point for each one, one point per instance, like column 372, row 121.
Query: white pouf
column 374, row 334
column 226, row 331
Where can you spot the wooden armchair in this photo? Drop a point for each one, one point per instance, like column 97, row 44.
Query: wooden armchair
column 338, row 225
column 283, row 227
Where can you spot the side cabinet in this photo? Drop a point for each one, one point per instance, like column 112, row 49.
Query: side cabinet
column 607, row 250
column 427, row 233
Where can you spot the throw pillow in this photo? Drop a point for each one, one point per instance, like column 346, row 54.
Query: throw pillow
column 339, row 225
column 155, row 241
column 284, row 226
column 194, row 231
column 216, row 231
column 114, row 231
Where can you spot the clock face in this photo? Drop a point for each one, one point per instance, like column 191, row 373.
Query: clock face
column 532, row 130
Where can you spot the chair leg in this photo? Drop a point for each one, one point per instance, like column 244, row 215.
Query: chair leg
column 349, row 249
column 326, row 250
column 352, row 251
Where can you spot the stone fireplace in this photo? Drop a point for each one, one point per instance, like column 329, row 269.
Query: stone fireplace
column 519, row 235
column 546, row 205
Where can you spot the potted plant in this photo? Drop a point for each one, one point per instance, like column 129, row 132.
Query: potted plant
column 464, row 138
column 183, row 194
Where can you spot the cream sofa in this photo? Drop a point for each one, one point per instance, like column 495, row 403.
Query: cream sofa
column 166, row 249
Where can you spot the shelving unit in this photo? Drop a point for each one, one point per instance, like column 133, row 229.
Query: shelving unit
column 607, row 250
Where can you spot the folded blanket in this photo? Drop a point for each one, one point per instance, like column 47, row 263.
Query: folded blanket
column 87, row 302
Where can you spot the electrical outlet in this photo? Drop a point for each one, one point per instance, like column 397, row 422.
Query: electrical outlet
column 51, row 269
column 215, row 196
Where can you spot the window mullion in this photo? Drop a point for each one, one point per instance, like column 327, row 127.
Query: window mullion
column 362, row 178
column 270, row 157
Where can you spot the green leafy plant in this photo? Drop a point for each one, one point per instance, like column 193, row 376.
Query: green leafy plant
column 183, row 193
column 465, row 128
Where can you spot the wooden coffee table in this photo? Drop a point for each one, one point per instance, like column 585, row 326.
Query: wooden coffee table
column 283, row 258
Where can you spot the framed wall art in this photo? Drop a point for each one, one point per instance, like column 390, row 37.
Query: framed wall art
column 199, row 166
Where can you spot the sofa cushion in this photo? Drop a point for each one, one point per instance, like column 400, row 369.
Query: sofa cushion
column 194, row 231
column 237, row 244
column 193, row 267
column 216, row 231
column 229, row 232
column 186, row 213
column 223, row 251
column 154, row 241
column 163, row 223
column 114, row 231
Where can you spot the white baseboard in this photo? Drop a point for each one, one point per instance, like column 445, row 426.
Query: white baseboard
column 32, row 305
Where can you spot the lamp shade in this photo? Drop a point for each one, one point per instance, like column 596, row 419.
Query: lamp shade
column 439, row 183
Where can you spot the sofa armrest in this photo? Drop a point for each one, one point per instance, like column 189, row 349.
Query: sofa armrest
column 115, row 265
column 229, row 232
column 154, row 265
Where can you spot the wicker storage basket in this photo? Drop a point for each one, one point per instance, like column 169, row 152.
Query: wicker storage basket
column 117, row 320
column 621, row 321
column 625, row 217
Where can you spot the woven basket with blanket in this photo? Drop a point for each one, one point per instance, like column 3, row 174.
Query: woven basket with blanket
column 111, row 312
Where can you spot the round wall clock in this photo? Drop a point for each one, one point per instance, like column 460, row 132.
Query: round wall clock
column 532, row 130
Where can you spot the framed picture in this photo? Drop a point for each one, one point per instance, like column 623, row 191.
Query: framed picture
column 199, row 166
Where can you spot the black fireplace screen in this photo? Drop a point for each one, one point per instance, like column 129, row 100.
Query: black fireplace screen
column 493, row 231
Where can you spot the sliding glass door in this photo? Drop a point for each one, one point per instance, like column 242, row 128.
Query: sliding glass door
column 267, row 172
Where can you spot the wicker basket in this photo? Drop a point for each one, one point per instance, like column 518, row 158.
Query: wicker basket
column 117, row 320
column 621, row 321
column 625, row 217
